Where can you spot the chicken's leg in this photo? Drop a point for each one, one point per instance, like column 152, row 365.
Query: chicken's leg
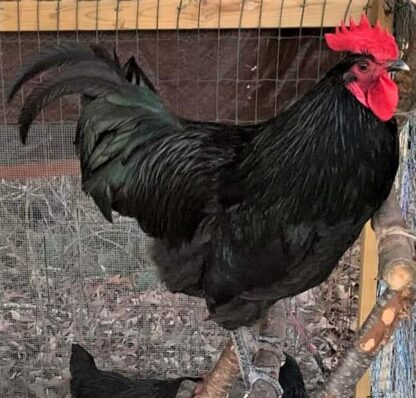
column 250, row 373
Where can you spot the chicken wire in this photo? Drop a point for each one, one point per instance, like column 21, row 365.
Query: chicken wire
column 68, row 276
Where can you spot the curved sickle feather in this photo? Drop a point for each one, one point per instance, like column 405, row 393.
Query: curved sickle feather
column 70, row 82
column 62, row 55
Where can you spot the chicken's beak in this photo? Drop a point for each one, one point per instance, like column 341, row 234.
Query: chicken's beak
column 397, row 65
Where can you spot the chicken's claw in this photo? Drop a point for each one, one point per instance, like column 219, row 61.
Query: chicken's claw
column 250, row 373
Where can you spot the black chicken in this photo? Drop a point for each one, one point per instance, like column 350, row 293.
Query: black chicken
column 241, row 215
column 291, row 379
column 87, row 381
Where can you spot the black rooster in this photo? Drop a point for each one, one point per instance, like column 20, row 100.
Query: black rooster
column 87, row 381
column 241, row 215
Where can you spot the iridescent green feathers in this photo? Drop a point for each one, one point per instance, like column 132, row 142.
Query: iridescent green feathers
column 136, row 157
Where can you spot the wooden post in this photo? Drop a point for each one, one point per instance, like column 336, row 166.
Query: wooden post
column 367, row 294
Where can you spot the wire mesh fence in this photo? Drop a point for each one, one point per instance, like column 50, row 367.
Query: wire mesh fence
column 67, row 275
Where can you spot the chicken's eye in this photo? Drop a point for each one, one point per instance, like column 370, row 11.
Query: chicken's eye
column 363, row 67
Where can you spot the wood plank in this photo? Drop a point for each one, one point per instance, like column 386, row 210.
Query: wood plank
column 70, row 15
column 41, row 169
column 367, row 294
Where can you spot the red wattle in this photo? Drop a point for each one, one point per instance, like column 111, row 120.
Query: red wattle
column 382, row 97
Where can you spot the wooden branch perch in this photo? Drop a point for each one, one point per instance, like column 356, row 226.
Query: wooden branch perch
column 397, row 269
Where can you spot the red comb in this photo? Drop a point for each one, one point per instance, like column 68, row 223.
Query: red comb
column 363, row 38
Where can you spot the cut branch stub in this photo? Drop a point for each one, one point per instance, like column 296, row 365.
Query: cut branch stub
column 396, row 250
column 383, row 326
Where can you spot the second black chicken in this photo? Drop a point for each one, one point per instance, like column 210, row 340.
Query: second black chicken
column 87, row 381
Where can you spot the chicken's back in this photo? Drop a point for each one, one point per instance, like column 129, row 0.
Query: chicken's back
column 89, row 382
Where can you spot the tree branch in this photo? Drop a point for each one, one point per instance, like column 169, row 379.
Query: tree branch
column 397, row 269
column 219, row 381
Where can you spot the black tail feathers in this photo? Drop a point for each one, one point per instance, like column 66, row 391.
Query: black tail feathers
column 88, row 70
